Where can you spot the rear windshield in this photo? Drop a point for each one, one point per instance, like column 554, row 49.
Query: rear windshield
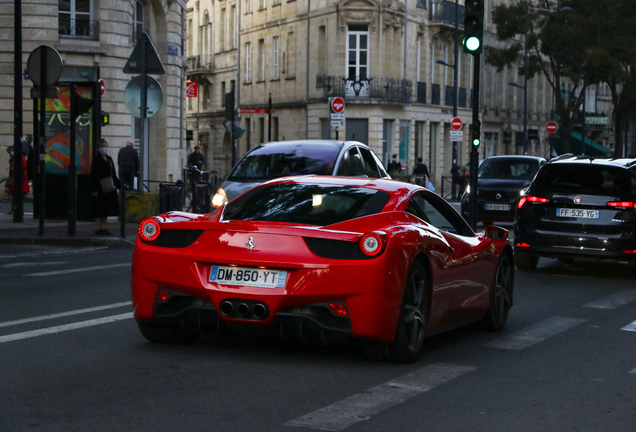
column 585, row 179
column 502, row 168
column 306, row 204
column 281, row 160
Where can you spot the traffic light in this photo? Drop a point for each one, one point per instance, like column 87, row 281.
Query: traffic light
column 476, row 133
column 105, row 118
column 474, row 27
column 81, row 105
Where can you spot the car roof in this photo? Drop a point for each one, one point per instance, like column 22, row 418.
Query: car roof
column 588, row 160
column 313, row 143
column 537, row 158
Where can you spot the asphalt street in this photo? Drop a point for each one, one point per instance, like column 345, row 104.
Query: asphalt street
column 73, row 360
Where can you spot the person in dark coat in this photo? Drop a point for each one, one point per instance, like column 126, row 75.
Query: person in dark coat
column 128, row 162
column 420, row 172
column 395, row 166
column 104, row 203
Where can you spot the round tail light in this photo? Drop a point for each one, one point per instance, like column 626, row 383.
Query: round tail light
column 373, row 243
column 149, row 229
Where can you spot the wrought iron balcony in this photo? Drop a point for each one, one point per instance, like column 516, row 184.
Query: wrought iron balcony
column 443, row 12
column 83, row 29
column 387, row 89
column 200, row 62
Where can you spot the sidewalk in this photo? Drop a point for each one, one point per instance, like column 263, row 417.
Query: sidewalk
column 23, row 239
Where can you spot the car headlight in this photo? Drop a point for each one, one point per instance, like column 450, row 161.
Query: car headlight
column 220, row 197
column 468, row 189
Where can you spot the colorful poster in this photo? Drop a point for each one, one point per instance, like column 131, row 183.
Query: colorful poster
column 58, row 133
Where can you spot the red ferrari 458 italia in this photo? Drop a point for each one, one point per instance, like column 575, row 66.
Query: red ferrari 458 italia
column 324, row 258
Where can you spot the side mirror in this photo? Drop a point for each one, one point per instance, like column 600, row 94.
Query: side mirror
column 496, row 233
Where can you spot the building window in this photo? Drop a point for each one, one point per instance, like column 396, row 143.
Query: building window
column 261, row 4
column 232, row 32
column 248, row 6
column 276, row 3
column 261, row 60
column 261, row 124
column 248, row 62
column 322, row 50
column 290, row 66
column 275, row 51
column 206, row 98
column 222, row 30
column 357, row 52
column 190, row 103
column 205, row 33
column 74, row 18
column 223, row 94
column 138, row 20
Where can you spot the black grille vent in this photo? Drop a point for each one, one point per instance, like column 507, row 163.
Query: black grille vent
column 335, row 249
column 175, row 238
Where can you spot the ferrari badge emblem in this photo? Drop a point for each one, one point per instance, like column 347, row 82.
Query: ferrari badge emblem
column 577, row 200
column 250, row 244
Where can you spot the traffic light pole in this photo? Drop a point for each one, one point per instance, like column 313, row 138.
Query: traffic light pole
column 474, row 153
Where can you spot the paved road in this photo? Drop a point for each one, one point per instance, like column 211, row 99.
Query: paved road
column 72, row 360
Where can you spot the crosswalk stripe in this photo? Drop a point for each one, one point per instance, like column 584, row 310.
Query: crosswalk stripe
column 63, row 314
column 630, row 327
column 362, row 406
column 63, row 328
column 78, row 270
column 535, row 333
column 615, row 300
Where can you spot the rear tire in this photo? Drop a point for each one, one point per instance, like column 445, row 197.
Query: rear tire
column 166, row 333
column 500, row 303
column 411, row 328
column 526, row 261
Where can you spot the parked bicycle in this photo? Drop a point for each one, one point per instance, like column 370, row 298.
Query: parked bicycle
column 200, row 190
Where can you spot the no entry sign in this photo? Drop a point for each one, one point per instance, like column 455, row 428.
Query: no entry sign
column 551, row 127
column 337, row 105
column 102, row 87
column 456, row 123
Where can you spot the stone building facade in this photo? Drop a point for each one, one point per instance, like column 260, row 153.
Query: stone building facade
column 381, row 56
column 99, row 35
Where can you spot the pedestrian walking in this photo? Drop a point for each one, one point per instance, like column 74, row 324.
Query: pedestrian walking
column 10, row 183
column 395, row 167
column 420, row 173
column 128, row 162
column 104, row 185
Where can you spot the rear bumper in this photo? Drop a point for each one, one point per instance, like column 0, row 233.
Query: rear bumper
column 572, row 252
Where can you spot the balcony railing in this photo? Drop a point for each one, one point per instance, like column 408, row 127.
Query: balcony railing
column 436, row 93
column 421, row 4
column 421, row 92
column 84, row 29
column 388, row 89
column 200, row 62
column 444, row 12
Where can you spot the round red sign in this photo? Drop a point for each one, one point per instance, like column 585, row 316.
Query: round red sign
column 551, row 127
column 456, row 123
column 337, row 105
column 102, row 87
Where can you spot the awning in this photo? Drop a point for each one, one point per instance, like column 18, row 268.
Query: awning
column 592, row 148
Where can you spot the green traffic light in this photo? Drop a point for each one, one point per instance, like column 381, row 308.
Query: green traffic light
column 476, row 142
column 472, row 43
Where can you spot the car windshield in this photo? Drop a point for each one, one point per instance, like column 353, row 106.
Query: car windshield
column 585, row 179
column 508, row 168
column 286, row 159
column 306, row 203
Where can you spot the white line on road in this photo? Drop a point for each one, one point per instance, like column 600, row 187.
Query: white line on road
column 630, row 327
column 362, row 406
column 66, row 327
column 535, row 333
column 31, row 264
column 615, row 300
column 63, row 314
column 78, row 270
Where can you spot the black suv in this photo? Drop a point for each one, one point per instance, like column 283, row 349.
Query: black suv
column 500, row 183
column 578, row 207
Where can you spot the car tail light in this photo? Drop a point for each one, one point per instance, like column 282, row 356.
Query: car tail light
column 622, row 204
column 630, row 251
column 163, row 295
column 338, row 309
column 373, row 243
column 522, row 245
column 149, row 229
column 532, row 199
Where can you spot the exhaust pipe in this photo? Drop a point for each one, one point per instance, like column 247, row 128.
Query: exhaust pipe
column 259, row 311
column 242, row 309
column 226, row 308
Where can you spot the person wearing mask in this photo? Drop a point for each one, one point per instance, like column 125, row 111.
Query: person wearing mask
column 26, row 144
column 104, row 185
column 128, row 162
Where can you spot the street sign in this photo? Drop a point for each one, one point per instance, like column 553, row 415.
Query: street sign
column 456, row 135
column 456, row 123
column 533, row 134
column 337, row 116
column 192, row 89
column 254, row 110
column 102, row 86
column 50, row 71
column 337, row 123
column 154, row 96
column 336, row 105
column 153, row 62
column 551, row 127
column 51, row 92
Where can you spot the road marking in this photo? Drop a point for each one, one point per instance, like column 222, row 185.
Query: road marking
column 64, row 314
column 78, row 270
column 630, row 327
column 535, row 333
column 615, row 300
column 633, row 371
column 63, row 328
column 31, row 264
column 362, row 406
